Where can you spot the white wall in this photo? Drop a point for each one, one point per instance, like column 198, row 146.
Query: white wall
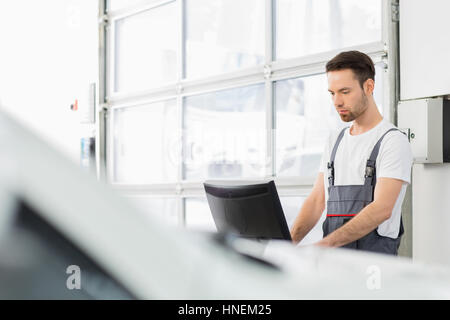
column 48, row 57
column 424, row 48
column 425, row 72
column 431, row 213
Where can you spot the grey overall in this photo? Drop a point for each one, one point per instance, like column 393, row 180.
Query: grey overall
column 344, row 202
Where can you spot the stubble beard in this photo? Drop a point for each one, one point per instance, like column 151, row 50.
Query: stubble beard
column 359, row 109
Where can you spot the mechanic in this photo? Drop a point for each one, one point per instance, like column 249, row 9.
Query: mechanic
column 365, row 169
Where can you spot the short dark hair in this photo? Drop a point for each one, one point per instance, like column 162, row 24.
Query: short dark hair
column 360, row 63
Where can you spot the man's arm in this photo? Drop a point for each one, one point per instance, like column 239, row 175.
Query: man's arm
column 385, row 196
column 310, row 212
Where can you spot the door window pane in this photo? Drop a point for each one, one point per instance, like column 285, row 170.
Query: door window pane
column 378, row 92
column 223, row 36
column 122, row 4
column 305, row 27
column 224, row 134
column 146, row 49
column 304, row 118
column 198, row 215
column 164, row 208
column 146, row 143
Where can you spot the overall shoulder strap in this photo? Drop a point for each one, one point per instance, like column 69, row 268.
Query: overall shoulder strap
column 333, row 155
column 336, row 145
column 370, row 175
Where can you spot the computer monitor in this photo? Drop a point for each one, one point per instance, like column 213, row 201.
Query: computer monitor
column 249, row 210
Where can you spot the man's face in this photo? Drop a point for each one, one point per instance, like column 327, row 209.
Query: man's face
column 348, row 97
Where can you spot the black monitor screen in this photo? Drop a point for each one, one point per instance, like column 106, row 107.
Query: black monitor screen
column 249, row 210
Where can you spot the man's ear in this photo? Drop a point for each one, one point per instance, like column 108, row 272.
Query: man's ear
column 369, row 86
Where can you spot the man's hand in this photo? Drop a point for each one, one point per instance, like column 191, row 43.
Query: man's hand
column 323, row 243
column 310, row 212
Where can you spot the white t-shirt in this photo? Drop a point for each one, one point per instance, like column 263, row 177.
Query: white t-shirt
column 394, row 161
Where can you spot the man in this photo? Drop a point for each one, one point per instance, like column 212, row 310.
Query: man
column 365, row 168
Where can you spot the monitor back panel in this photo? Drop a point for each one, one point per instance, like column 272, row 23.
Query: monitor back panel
column 252, row 216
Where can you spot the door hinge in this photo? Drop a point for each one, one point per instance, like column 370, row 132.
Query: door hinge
column 103, row 20
column 395, row 12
